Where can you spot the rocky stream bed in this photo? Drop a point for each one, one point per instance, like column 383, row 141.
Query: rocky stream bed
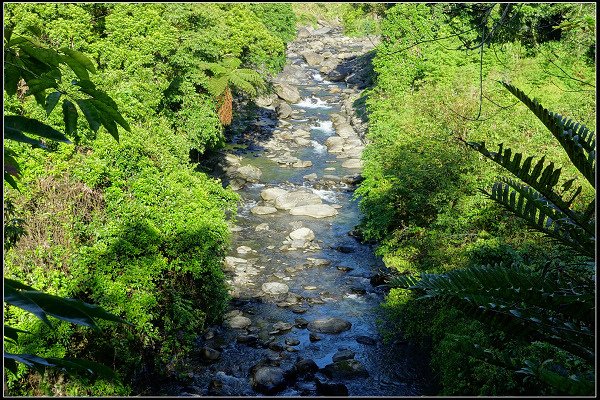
column 306, row 292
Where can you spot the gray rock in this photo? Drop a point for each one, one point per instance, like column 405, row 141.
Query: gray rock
column 304, row 234
column 271, row 193
column 331, row 389
column 329, row 325
column 314, row 210
column 282, row 326
column 292, row 342
column 262, row 227
column 290, row 200
column 313, row 337
column 249, row 173
column 346, row 369
column 305, row 367
column 210, row 355
column 275, row 288
column 352, row 163
column 343, row 355
column 312, row 58
column 303, row 33
column 268, row 380
column 238, row 322
column 310, row 177
column 284, row 110
column 263, row 210
column 287, row 92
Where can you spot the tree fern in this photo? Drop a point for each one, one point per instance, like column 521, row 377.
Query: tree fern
column 560, row 311
column 223, row 76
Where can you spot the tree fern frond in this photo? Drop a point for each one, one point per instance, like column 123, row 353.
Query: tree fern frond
column 216, row 86
column 576, row 140
column 242, row 84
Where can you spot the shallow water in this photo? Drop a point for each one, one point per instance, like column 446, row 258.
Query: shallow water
column 339, row 289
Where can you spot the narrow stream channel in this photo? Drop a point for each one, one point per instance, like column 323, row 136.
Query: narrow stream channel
column 301, row 284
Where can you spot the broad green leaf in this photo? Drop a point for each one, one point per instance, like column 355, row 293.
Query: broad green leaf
column 39, row 85
column 98, row 95
column 30, row 360
column 60, row 308
column 12, row 76
column 80, row 70
column 12, row 333
column 80, row 58
column 109, row 124
column 18, row 136
column 11, row 181
column 46, row 56
column 52, row 101
column 70, row 117
column 20, row 299
column 73, row 365
column 34, row 126
column 90, row 113
column 16, row 284
column 111, row 113
column 85, row 84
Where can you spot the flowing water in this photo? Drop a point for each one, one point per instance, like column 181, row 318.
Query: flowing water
column 326, row 277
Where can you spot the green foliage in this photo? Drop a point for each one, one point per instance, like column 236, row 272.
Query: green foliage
column 421, row 197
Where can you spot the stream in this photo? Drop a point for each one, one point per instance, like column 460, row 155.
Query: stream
column 304, row 316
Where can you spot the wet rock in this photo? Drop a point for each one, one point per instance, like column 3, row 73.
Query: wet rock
column 282, row 326
column 292, row 342
column 313, row 337
column 270, row 194
column 310, row 177
column 299, row 310
column 303, row 33
column 300, row 323
column 345, row 369
column 366, row 340
column 302, row 164
column 264, row 101
column 268, row 380
column 263, row 210
column 290, row 200
column 343, row 355
column 215, row 387
column 238, row 322
column 247, row 339
column 284, row 110
column 287, row 92
column 304, row 234
column 353, row 179
column 275, row 346
column 209, row 355
column 379, row 279
column 352, row 163
column 318, row 262
column 249, row 173
column 262, row 227
column 305, row 367
column 331, row 389
column 275, row 288
column 344, row 269
column 243, row 250
column 345, row 249
column 302, row 141
column 314, row 210
column 329, row 325
column 312, row 58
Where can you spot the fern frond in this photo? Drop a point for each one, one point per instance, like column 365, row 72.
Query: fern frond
column 543, row 215
column 216, row 86
column 242, row 84
column 575, row 139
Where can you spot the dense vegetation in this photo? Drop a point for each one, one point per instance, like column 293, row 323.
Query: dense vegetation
column 437, row 71
column 129, row 225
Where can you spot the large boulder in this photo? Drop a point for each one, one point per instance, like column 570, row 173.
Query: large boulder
column 305, row 234
column 249, row 173
column 238, row 322
column 345, row 369
column 314, row 210
column 290, row 200
column 272, row 193
column 275, row 288
column 268, row 380
column 312, row 58
column 263, row 210
column 329, row 325
column 284, row 110
column 287, row 92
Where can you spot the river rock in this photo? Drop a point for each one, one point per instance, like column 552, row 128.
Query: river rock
column 287, row 92
column 290, row 200
column 305, row 234
column 310, row 177
column 315, row 210
column 263, row 210
column 343, row 355
column 282, row 326
column 352, row 163
column 272, row 193
column 292, row 342
column 331, row 389
column 249, row 173
column 312, row 58
column 345, row 369
column 284, row 110
column 329, row 325
column 264, row 101
column 238, row 322
column 275, row 288
column 210, row 355
column 262, row 227
column 366, row 340
column 243, row 250
column 268, row 380
column 305, row 367
column 313, row 337
column 302, row 164
column 303, row 33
